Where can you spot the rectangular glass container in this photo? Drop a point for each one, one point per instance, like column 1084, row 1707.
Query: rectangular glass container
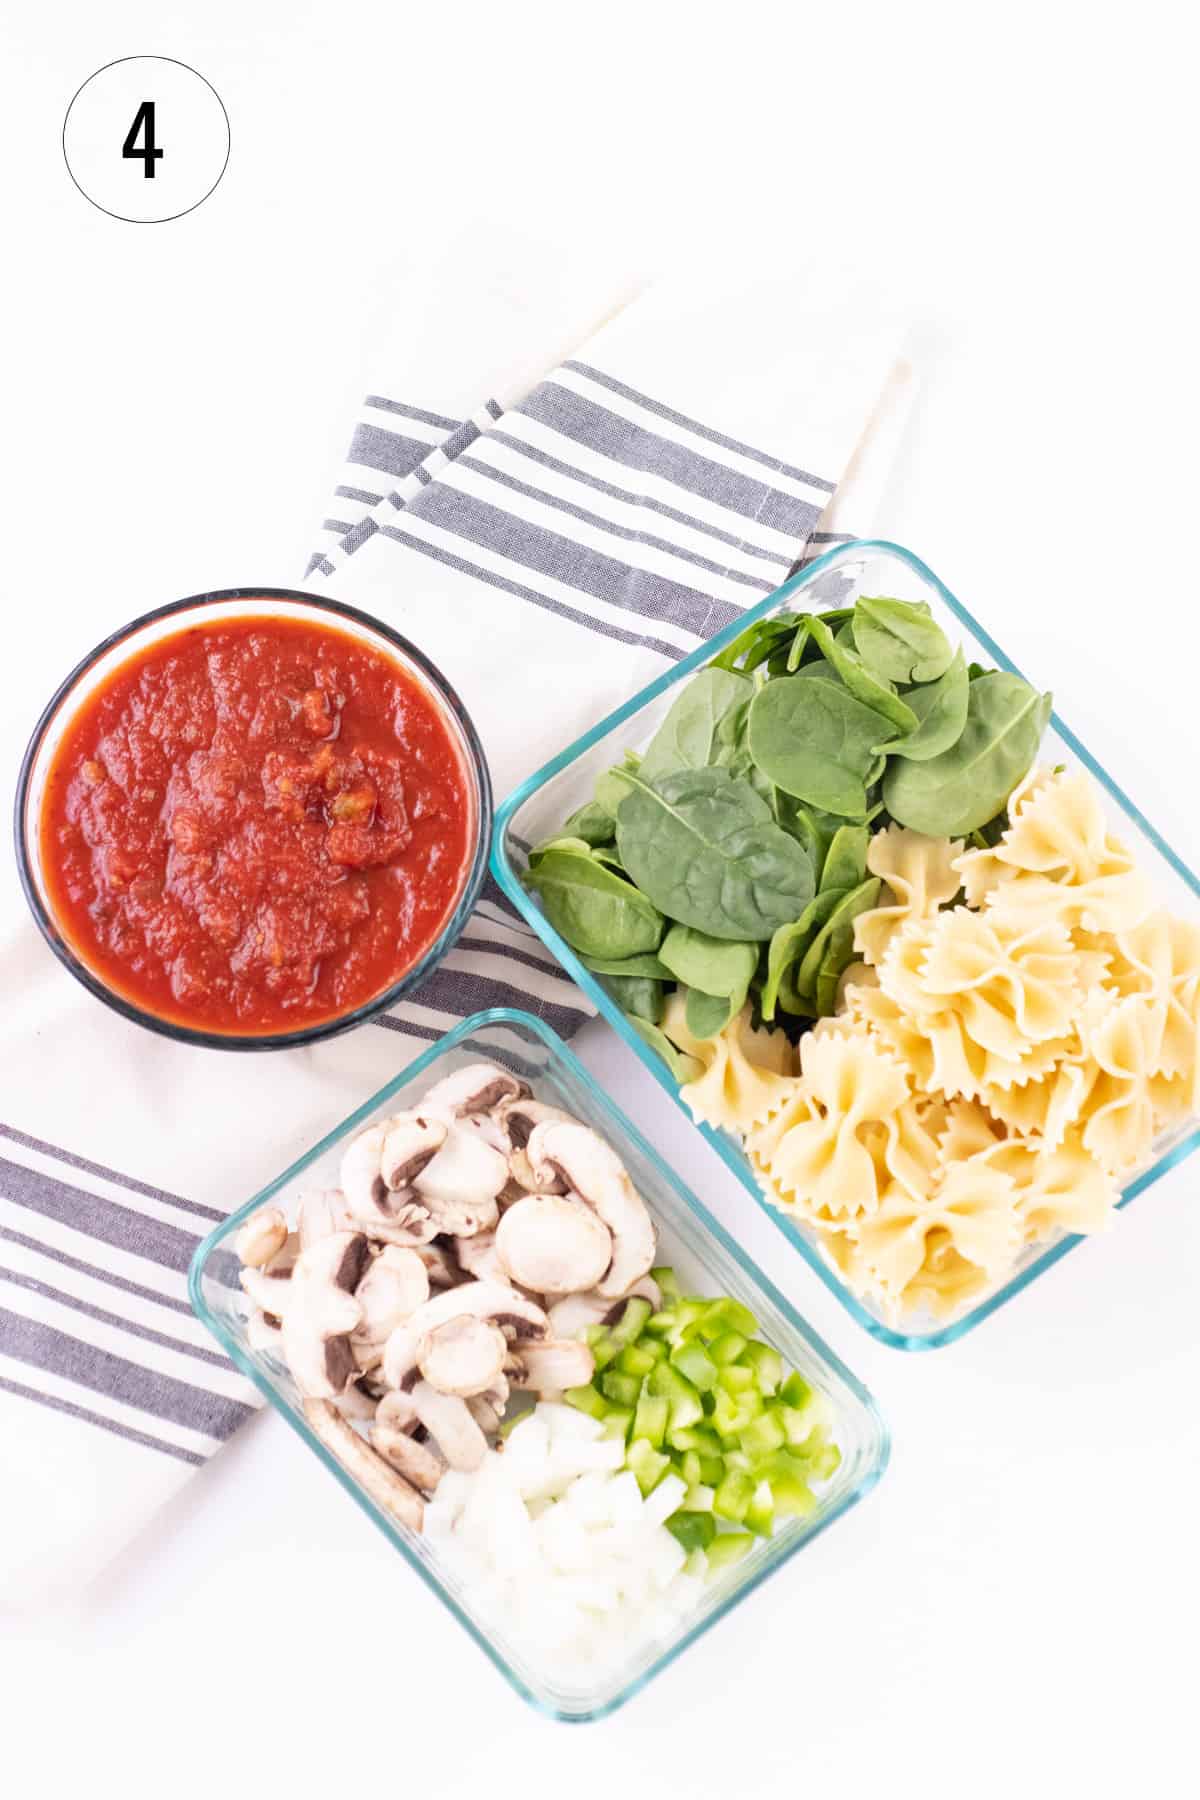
column 537, row 809
column 690, row 1239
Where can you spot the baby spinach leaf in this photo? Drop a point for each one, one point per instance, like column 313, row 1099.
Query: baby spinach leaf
column 795, row 655
column 965, row 786
column 595, row 910
column 706, row 1014
column 900, row 639
column 683, row 1068
column 846, row 862
column 816, row 741
column 705, row 849
column 576, row 844
column 687, row 736
column 636, row 997
column 760, row 632
column 859, row 900
column 591, row 823
column 941, row 708
column 608, row 855
column 649, row 965
column 788, row 946
column 814, row 829
column 839, row 954
column 712, row 965
column 873, row 691
column 613, row 785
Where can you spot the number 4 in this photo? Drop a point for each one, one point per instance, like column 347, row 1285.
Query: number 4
column 143, row 120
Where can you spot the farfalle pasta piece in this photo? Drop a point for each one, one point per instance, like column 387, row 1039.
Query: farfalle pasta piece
column 920, row 876
column 825, row 1148
column 1012, row 987
column 968, row 1128
column 1043, row 1107
column 906, row 1244
column 747, row 1071
column 1123, row 1039
column 1160, row 958
column 1058, row 860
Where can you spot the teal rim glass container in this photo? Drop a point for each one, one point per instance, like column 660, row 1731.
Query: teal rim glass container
column 536, row 810
column 707, row 1259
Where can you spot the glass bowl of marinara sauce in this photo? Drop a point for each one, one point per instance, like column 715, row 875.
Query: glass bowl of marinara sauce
column 253, row 819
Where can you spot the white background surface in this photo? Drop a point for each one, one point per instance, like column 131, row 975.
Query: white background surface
column 1014, row 1606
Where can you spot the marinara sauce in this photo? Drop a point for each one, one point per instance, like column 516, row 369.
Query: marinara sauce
column 255, row 825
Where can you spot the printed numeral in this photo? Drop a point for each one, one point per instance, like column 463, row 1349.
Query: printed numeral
column 143, row 121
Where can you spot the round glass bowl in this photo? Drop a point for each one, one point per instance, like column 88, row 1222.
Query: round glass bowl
column 208, row 609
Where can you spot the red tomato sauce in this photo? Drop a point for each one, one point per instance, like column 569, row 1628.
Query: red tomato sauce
column 255, row 825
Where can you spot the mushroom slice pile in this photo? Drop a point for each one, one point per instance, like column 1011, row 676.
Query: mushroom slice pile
column 594, row 1171
column 474, row 1236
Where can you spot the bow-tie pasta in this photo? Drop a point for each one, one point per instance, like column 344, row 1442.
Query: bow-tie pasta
column 1022, row 1028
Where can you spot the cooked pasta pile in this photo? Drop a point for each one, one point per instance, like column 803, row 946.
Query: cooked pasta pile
column 1020, row 1028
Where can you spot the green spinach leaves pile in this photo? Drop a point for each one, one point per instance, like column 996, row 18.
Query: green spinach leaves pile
column 730, row 858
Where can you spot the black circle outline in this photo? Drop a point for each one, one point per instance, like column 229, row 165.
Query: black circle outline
column 148, row 56
column 410, row 981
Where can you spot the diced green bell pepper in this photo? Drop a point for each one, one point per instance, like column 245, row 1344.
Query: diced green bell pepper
column 727, row 1547
column 694, row 1530
column 587, row 1400
column 632, row 1322
column 695, row 1365
column 650, row 1420
column 763, row 1435
column 647, row 1464
column 766, row 1363
column 624, row 1389
column 760, row 1514
column 667, row 1280
column 727, row 1348
column 732, row 1499
column 633, row 1360
column 617, row 1422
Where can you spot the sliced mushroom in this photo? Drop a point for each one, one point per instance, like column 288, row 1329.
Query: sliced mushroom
column 549, row 1368
column 412, row 1139
column 476, row 1088
column 321, row 1312
column 593, row 1170
column 448, row 1421
column 442, row 1264
column 464, row 1356
column 270, row 1289
column 263, row 1334
column 479, row 1258
column 322, row 1211
column 394, row 1285
column 357, row 1402
column 262, row 1237
column 385, row 1485
column 418, row 1464
column 516, row 1317
column 553, row 1244
column 459, row 1186
column 484, row 1413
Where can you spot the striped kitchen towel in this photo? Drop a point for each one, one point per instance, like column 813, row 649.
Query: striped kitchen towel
column 557, row 491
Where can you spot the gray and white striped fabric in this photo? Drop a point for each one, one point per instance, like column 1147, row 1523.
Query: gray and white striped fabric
column 554, row 538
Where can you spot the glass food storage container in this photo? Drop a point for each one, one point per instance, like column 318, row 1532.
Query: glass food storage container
column 689, row 1238
column 539, row 806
